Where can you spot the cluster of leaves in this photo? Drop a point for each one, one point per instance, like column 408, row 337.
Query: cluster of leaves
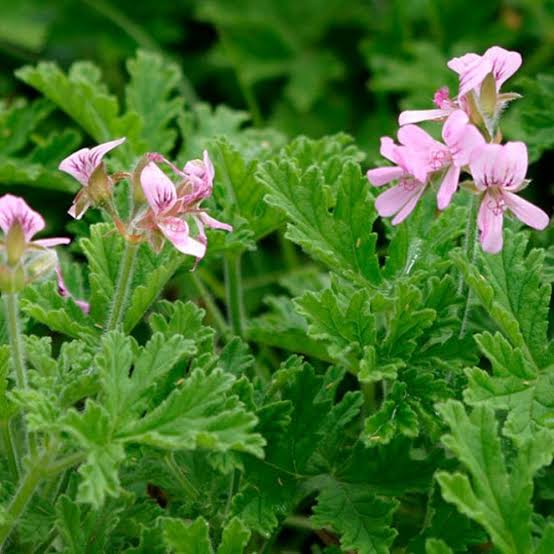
column 378, row 391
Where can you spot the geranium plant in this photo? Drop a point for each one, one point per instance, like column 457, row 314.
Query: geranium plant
column 234, row 345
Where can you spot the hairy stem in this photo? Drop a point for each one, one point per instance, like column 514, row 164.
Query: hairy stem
column 124, row 280
column 233, row 288
column 24, row 493
column 470, row 247
column 11, row 303
column 211, row 307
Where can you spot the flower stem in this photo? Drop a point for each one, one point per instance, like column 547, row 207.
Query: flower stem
column 25, row 492
column 233, row 288
column 470, row 247
column 124, row 279
column 211, row 307
column 11, row 302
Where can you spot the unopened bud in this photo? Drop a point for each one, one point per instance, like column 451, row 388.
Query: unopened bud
column 15, row 244
column 12, row 279
column 40, row 265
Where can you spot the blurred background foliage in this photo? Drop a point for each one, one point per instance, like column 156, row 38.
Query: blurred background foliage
column 313, row 67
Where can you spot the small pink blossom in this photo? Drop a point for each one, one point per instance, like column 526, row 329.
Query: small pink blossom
column 473, row 68
column 401, row 199
column 170, row 205
column 15, row 211
column 499, row 172
column 64, row 292
column 81, row 165
column 420, row 155
column 460, row 140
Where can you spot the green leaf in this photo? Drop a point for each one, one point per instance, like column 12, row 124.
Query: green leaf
column 82, row 96
column 511, row 289
column 514, row 385
column 93, row 431
column 340, row 238
column 68, row 523
column 154, row 82
column 436, row 546
column 498, row 496
column 235, row 537
column 43, row 303
column 198, row 414
column 362, row 519
column 240, row 194
column 183, row 538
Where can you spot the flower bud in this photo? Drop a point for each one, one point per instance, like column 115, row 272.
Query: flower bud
column 15, row 244
column 40, row 264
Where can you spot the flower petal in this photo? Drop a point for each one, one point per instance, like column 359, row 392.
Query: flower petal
column 490, row 223
column 461, row 137
column 472, row 70
column 14, row 209
column 82, row 163
column 158, row 189
column 504, row 63
column 394, row 199
column 511, row 165
column 177, row 232
column 416, row 138
column 525, row 211
column 417, row 116
column 448, row 187
column 408, row 207
column 214, row 223
column 482, row 164
column 54, row 241
column 383, row 175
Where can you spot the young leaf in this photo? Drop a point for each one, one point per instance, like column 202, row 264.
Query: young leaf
column 235, row 537
column 183, row 538
column 154, row 81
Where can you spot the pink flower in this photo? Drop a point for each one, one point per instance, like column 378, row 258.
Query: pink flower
column 64, row 292
column 170, row 205
column 499, row 172
column 460, row 139
column 473, row 68
column 419, row 156
column 411, row 173
column 16, row 215
column 83, row 166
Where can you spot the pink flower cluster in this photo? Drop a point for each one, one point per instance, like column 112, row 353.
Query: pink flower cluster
column 172, row 211
column 470, row 144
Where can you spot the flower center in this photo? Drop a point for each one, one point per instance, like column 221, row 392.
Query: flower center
column 439, row 158
column 409, row 183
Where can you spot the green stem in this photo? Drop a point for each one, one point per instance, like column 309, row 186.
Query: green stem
column 124, row 279
column 9, row 450
column 25, row 492
column 67, row 462
column 211, row 307
column 471, row 252
column 233, row 289
column 11, row 302
column 180, row 477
